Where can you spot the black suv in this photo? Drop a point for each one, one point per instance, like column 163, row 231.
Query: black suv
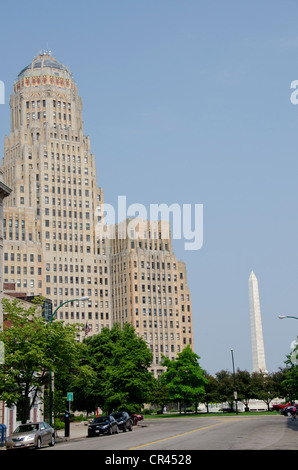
column 123, row 419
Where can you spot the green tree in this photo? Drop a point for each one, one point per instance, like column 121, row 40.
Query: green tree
column 121, row 360
column 290, row 381
column 225, row 387
column 184, row 377
column 32, row 347
column 281, row 389
column 263, row 387
column 159, row 394
column 82, row 384
column 97, row 353
column 211, row 391
column 244, row 387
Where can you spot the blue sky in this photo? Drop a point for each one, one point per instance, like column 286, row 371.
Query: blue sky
column 189, row 103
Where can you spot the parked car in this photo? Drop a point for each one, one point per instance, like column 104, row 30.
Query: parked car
column 288, row 411
column 124, row 420
column 136, row 417
column 31, row 435
column 103, row 425
column 280, row 407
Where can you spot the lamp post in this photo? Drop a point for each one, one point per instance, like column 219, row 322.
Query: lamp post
column 235, row 390
column 82, row 299
column 281, row 317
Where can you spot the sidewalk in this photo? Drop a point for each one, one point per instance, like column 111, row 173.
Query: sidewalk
column 80, row 431
column 76, row 431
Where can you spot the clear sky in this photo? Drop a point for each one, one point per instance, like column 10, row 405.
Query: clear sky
column 188, row 102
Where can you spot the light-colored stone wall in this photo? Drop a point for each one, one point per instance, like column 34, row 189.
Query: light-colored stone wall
column 149, row 290
column 51, row 243
column 4, row 192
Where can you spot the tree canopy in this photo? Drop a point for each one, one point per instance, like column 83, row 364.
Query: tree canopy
column 121, row 360
column 184, row 377
column 32, row 347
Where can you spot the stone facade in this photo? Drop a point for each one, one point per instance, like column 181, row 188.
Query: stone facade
column 4, row 192
column 149, row 288
column 51, row 247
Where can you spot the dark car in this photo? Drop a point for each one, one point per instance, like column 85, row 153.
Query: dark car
column 124, row 420
column 288, row 411
column 31, row 435
column 103, row 425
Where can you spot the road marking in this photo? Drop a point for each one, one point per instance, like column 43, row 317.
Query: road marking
column 177, row 435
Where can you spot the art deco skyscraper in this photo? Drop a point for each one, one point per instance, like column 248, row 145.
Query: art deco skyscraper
column 49, row 218
column 258, row 352
column 149, row 288
column 4, row 192
column 51, row 245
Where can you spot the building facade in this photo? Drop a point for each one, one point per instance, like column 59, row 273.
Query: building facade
column 51, row 246
column 149, row 288
column 4, row 192
column 49, row 219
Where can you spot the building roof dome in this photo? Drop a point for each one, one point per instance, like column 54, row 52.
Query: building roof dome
column 44, row 60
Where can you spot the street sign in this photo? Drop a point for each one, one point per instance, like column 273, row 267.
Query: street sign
column 69, row 396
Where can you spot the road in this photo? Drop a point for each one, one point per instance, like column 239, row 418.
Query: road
column 274, row 432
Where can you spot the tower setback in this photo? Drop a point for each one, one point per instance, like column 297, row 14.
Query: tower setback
column 50, row 242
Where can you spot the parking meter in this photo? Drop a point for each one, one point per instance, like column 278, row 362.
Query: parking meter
column 67, row 423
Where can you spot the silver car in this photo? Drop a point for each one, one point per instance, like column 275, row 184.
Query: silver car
column 31, row 435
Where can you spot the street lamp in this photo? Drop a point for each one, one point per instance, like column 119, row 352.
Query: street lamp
column 286, row 316
column 235, row 390
column 82, row 299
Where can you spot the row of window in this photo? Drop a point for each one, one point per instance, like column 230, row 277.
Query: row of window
column 26, row 257
column 157, row 300
column 159, row 288
column 75, row 181
column 166, row 348
column 67, row 248
column 63, row 190
column 164, row 312
column 74, row 158
column 26, row 270
column 76, row 268
column 97, row 292
column 160, row 324
column 38, row 103
column 122, row 266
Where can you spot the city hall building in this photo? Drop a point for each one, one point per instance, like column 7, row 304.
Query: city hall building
column 51, row 246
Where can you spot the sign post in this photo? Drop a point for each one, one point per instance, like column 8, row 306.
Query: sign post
column 67, row 414
column 69, row 398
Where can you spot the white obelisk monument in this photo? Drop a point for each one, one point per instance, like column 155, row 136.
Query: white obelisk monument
column 257, row 343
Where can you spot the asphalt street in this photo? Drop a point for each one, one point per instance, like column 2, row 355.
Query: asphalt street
column 240, row 432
